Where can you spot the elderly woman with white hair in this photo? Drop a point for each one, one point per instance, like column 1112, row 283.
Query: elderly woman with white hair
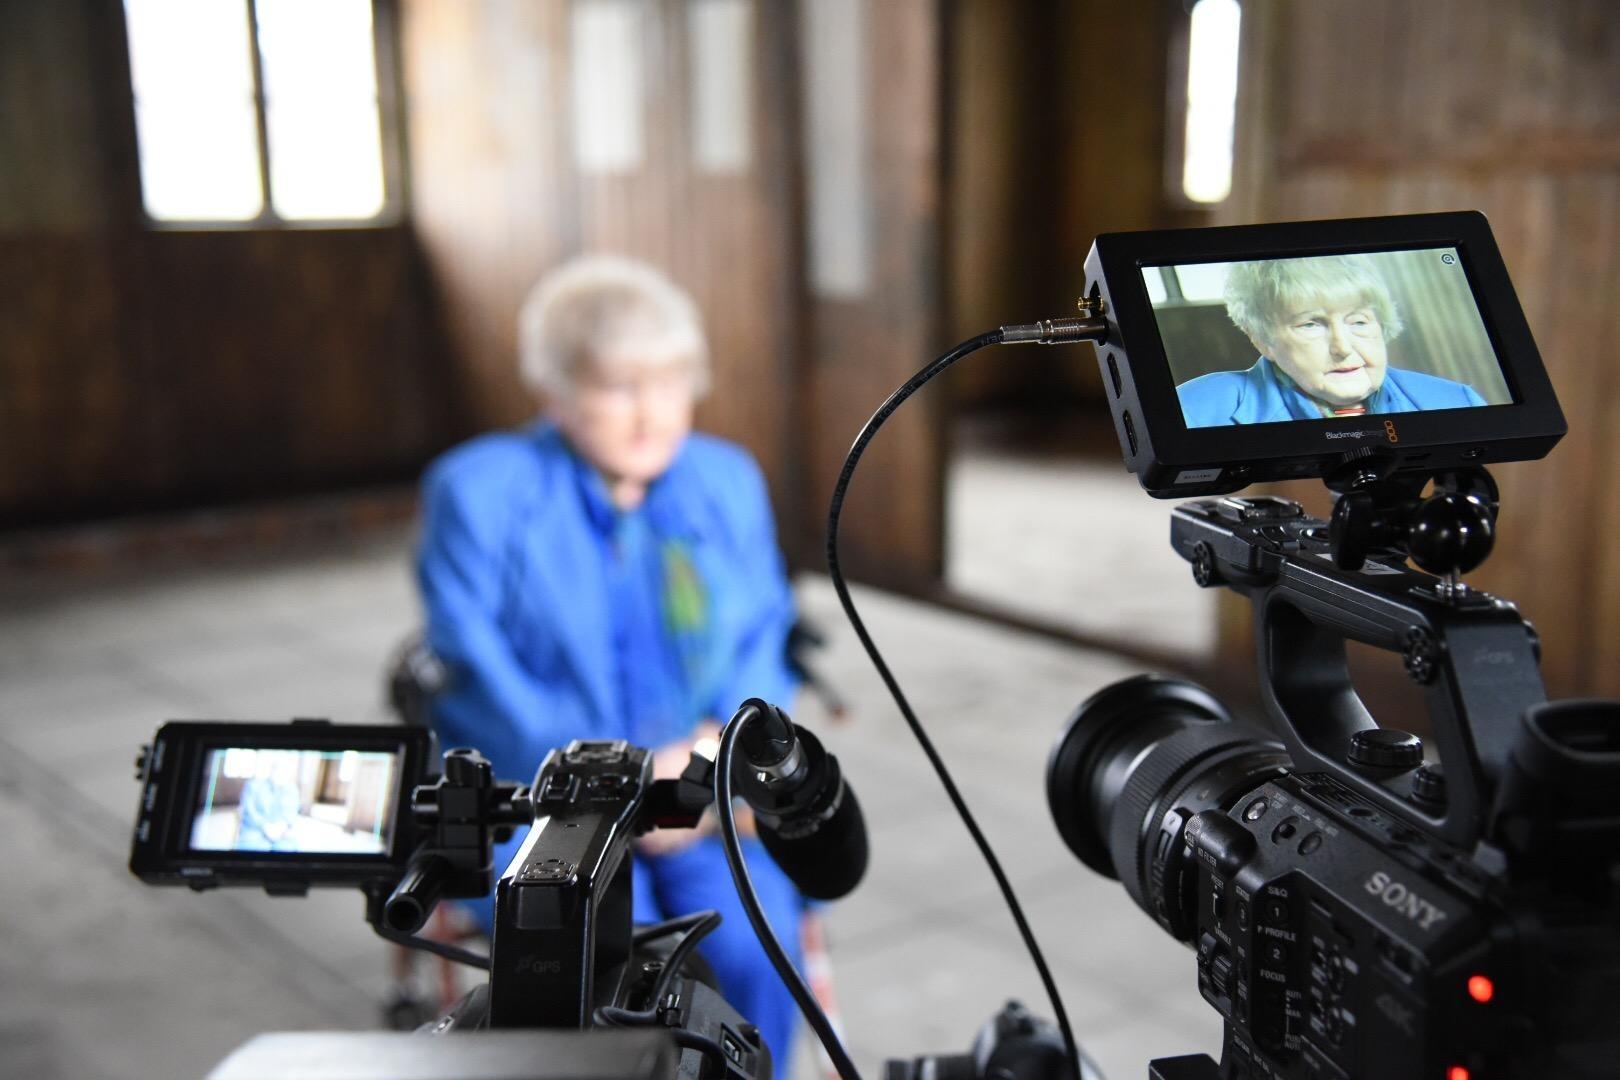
column 1322, row 326
column 607, row 573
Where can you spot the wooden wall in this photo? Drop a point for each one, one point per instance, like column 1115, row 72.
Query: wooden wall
column 1053, row 138
column 1511, row 107
column 143, row 367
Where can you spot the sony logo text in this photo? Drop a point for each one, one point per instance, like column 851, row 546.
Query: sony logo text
column 1404, row 900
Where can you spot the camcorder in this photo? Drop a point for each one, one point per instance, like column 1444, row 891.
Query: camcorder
column 1363, row 901
column 1438, row 903
column 310, row 803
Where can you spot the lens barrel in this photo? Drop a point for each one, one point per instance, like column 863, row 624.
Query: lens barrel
column 1137, row 760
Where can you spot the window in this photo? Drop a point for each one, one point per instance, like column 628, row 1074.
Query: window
column 834, row 58
column 608, row 93
column 1212, row 70
column 1189, row 283
column 257, row 111
column 720, row 34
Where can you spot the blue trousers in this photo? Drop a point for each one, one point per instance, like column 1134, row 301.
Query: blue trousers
column 696, row 877
column 693, row 879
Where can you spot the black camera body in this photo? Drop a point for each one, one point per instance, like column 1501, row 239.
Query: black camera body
column 371, row 813
column 1359, row 909
column 1338, row 942
column 562, row 910
column 1364, row 901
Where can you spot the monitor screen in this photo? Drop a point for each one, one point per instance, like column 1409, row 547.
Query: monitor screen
column 1324, row 337
column 296, row 802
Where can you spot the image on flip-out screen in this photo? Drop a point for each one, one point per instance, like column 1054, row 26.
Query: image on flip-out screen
column 296, row 801
column 1320, row 337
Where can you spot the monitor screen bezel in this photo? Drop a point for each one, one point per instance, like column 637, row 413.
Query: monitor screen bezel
column 1480, row 433
column 162, row 851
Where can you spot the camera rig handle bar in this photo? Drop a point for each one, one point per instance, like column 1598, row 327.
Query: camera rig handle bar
column 1474, row 654
column 464, row 815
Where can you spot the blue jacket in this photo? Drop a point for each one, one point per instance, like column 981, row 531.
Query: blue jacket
column 1263, row 394
column 561, row 617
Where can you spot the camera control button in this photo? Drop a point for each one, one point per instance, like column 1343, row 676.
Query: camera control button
column 1275, row 912
column 559, row 788
column 1285, row 831
column 1220, row 974
column 1385, row 748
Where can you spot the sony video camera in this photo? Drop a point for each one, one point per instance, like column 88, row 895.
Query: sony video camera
column 1441, row 903
column 574, row 990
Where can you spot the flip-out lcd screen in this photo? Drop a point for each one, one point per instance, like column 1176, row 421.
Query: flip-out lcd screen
column 298, row 802
column 1324, row 337
column 1243, row 354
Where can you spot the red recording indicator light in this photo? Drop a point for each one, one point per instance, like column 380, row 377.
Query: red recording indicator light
column 1456, row 1072
column 1481, row 989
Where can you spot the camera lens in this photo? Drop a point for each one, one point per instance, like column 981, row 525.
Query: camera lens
column 1136, row 762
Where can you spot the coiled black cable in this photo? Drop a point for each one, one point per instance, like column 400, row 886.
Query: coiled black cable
column 894, row 401
column 795, row 983
column 698, row 926
column 1049, row 332
column 437, row 948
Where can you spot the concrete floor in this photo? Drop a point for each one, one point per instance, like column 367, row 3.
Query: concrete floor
column 103, row 977
column 1076, row 541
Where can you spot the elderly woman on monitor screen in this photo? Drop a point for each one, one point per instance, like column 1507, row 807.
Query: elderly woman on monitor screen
column 1322, row 327
column 607, row 573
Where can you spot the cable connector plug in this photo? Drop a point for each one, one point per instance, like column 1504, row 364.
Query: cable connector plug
column 1056, row 331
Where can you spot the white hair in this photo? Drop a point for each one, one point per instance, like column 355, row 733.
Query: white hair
column 602, row 307
column 1260, row 293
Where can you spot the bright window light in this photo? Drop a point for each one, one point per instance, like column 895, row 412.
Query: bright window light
column 721, row 33
column 606, row 38
column 240, row 763
column 197, row 109
column 320, row 102
column 1153, row 277
column 1212, row 58
column 191, row 66
column 834, row 58
column 1202, row 282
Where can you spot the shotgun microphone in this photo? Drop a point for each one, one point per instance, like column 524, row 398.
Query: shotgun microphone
column 808, row 817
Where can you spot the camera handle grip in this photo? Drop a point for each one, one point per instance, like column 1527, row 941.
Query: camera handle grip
column 409, row 906
column 1479, row 665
